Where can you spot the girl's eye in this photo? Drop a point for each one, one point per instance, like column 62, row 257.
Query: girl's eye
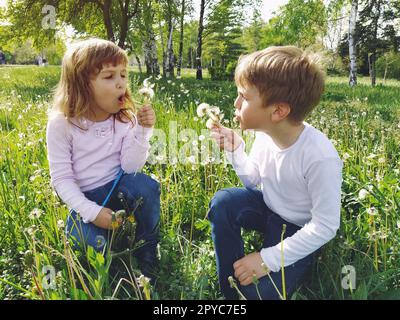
column 109, row 77
column 123, row 76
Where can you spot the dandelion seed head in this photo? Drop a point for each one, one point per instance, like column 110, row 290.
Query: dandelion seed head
column 202, row 109
column 362, row 194
column 147, row 92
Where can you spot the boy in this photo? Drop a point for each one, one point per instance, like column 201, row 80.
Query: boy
column 296, row 165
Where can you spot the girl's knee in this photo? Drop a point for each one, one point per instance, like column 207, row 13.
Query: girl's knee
column 139, row 185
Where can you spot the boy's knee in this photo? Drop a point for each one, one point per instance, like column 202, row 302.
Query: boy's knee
column 218, row 205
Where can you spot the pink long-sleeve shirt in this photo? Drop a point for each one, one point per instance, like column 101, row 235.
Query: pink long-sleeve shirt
column 82, row 160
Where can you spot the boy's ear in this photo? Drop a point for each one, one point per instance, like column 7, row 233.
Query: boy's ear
column 281, row 111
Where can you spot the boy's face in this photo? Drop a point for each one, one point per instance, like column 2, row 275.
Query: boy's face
column 108, row 88
column 250, row 110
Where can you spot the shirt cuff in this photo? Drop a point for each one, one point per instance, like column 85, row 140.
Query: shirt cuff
column 238, row 156
column 91, row 213
column 269, row 258
column 142, row 133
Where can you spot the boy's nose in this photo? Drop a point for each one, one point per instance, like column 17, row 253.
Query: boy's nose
column 237, row 103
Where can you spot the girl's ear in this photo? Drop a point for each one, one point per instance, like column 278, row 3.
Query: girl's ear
column 281, row 111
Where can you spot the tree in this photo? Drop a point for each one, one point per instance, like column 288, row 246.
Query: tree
column 147, row 36
column 301, row 23
column 376, row 31
column 214, row 20
column 199, row 72
column 105, row 18
column 352, row 44
column 184, row 5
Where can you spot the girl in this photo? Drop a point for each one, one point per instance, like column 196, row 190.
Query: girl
column 96, row 146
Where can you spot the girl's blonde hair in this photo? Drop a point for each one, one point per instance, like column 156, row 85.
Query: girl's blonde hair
column 83, row 60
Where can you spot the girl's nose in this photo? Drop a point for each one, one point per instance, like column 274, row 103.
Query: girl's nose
column 121, row 83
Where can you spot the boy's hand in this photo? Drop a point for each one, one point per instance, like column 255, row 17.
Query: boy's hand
column 146, row 116
column 249, row 266
column 226, row 138
column 104, row 219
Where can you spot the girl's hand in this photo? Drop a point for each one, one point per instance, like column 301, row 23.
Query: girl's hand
column 104, row 219
column 226, row 138
column 146, row 116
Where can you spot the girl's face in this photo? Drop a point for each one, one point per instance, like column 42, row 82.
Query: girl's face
column 108, row 88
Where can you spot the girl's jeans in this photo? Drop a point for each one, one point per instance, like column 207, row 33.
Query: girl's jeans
column 147, row 215
column 235, row 208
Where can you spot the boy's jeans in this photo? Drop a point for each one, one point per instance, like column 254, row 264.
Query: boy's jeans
column 147, row 215
column 235, row 208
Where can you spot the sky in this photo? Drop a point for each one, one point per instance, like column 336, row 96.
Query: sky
column 269, row 6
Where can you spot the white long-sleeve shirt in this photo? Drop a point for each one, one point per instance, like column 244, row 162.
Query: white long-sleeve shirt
column 82, row 160
column 302, row 184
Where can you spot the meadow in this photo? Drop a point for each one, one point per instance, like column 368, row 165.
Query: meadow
column 362, row 122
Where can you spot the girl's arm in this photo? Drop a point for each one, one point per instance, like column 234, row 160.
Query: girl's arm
column 135, row 148
column 59, row 153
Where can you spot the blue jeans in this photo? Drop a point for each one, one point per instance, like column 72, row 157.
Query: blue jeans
column 235, row 208
column 147, row 215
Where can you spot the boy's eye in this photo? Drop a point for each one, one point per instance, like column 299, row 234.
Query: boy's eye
column 109, row 77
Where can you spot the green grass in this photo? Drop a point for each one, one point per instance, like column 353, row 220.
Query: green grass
column 363, row 123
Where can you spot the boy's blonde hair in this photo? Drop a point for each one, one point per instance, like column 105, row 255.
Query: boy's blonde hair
column 84, row 60
column 284, row 75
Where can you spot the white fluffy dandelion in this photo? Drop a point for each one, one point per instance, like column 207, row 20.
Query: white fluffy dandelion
column 202, row 109
column 35, row 213
column 346, row 156
column 214, row 114
column 371, row 211
column 362, row 194
column 210, row 123
column 147, row 91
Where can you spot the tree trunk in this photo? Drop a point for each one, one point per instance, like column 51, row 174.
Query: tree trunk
column 352, row 44
column 373, row 55
column 386, row 68
column 372, row 68
column 150, row 53
column 199, row 73
column 107, row 20
column 163, row 48
column 124, row 24
column 139, row 63
column 169, row 68
column 190, row 63
column 178, row 72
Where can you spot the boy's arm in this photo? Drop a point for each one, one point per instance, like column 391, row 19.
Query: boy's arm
column 324, row 179
column 61, row 173
column 246, row 167
column 135, row 148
